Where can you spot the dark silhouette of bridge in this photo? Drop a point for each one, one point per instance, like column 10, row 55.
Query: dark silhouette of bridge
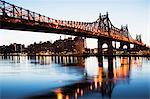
column 17, row 18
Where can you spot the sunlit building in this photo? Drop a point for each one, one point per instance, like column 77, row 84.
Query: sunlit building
column 79, row 44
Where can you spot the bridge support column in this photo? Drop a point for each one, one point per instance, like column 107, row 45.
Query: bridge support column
column 122, row 44
column 110, row 48
column 115, row 48
column 100, row 53
column 101, row 41
column 128, row 48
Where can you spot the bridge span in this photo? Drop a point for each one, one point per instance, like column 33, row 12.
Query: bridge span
column 17, row 18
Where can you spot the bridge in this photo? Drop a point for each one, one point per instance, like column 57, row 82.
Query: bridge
column 17, row 18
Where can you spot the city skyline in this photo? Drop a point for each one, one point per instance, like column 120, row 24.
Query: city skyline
column 135, row 13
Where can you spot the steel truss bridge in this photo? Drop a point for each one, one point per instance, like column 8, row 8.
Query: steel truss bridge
column 17, row 18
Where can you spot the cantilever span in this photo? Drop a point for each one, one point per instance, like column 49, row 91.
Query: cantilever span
column 18, row 18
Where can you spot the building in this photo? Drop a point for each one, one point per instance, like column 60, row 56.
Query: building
column 79, row 46
column 40, row 47
column 66, row 46
column 69, row 45
column 12, row 48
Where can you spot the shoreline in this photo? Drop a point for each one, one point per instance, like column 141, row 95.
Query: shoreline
column 75, row 55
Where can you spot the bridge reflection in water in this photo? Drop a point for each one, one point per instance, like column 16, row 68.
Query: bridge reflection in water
column 99, row 79
column 103, row 81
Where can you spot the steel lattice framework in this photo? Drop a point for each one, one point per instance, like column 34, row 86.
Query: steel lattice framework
column 18, row 18
column 138, row 38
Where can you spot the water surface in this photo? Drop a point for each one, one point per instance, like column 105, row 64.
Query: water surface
column 74, row 77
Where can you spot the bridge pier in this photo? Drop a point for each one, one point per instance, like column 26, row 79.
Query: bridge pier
column 100, row 53
column 110, row 48
column 115, row 48
column 101, row 41
column 122, row 44
column 100, row 47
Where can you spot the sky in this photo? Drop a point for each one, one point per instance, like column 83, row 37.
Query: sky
column 135, row 13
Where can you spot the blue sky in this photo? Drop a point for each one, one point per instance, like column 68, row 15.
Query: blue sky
column 135, row 13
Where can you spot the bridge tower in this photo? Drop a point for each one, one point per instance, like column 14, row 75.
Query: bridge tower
column 105, row 22
column 138, row 38
column 125, row 32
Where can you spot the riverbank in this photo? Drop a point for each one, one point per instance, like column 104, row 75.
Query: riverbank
column 77, row 55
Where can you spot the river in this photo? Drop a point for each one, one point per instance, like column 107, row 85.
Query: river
column 74, row 77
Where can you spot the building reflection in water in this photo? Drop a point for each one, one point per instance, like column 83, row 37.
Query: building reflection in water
column 14, row 59
column 64, row 60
